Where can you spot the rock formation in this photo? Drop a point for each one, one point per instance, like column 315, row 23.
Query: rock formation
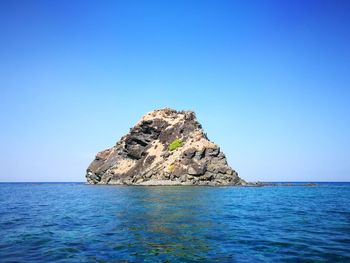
column 166, row 147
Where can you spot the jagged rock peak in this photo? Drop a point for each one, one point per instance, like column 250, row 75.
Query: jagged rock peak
column 165, row 147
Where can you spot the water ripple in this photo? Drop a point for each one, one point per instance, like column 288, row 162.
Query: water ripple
column 83, row 223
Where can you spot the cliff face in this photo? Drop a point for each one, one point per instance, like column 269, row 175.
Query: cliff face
column 166, row 147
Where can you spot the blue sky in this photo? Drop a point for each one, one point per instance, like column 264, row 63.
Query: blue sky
column 269, row 81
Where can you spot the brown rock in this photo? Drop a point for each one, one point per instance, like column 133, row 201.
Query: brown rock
column 142, row 156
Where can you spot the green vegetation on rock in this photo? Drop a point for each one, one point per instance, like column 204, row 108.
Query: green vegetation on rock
column 172, row 167
column 175, row 144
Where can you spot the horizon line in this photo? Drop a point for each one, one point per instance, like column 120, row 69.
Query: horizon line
column 1, row 182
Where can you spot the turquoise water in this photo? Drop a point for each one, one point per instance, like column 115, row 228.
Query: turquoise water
column 74, row 222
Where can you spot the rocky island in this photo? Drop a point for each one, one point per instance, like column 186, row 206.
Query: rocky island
column 166, row 147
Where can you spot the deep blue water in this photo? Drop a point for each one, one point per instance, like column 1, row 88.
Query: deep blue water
column 74, row 222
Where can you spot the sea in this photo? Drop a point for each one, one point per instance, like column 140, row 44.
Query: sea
column 76, row 222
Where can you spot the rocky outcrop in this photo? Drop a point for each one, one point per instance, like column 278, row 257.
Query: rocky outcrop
column 166, row 147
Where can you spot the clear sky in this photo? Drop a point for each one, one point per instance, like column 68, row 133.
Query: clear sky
column 269, row 81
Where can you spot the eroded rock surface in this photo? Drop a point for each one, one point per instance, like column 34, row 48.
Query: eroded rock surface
column 144, row 156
